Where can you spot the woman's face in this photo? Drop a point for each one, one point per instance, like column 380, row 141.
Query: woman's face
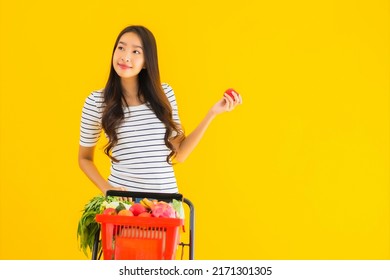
column 128, row 59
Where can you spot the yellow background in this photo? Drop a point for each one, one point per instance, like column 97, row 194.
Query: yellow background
column 299, row 171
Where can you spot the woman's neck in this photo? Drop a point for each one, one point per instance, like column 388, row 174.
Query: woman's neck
column 130, row 91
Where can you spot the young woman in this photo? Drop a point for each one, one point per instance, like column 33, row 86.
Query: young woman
column 140, row 118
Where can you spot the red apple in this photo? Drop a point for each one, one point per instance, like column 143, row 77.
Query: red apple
column 109, row 211
column 229, row 92
column 137, row 208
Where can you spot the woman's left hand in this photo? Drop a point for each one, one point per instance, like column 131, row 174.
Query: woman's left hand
column 226, row 103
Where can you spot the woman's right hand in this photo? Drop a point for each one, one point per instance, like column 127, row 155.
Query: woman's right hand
column 108, row 187
column 111, row 188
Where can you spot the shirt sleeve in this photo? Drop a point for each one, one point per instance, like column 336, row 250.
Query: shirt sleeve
column 172, row 99
column 91, row 116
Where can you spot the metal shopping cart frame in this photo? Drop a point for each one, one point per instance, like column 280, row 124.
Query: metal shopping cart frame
column 167, row 197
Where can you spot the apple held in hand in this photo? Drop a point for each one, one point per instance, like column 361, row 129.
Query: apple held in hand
column 230, row 93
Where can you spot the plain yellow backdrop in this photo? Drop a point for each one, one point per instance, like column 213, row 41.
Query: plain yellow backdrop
column 299, row 171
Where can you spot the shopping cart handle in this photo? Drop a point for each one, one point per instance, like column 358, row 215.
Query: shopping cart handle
column 158, row 196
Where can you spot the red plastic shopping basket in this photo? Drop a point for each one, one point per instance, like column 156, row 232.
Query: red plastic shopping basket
column 139, row 238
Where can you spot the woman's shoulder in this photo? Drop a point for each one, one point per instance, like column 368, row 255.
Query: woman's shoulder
column 97, row 94
column 95, row 98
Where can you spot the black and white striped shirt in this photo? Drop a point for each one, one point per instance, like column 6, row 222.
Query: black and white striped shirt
column 141, row 149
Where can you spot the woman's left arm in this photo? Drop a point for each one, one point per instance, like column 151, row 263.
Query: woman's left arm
column 184, row 145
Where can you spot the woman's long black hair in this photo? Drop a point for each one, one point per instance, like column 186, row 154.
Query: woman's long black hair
column 150, row 90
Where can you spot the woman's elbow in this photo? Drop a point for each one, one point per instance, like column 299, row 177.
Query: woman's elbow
column 179, row 158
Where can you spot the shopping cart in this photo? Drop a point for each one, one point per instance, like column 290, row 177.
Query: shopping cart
column 143, row 238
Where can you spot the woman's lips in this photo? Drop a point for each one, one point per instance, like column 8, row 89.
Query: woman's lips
column 124, row 67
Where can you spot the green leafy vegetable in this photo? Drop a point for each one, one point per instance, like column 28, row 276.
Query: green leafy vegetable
column 87, row 226
column 178, row 206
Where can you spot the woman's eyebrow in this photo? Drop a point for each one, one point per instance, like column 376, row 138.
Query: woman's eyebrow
column 134, row 46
